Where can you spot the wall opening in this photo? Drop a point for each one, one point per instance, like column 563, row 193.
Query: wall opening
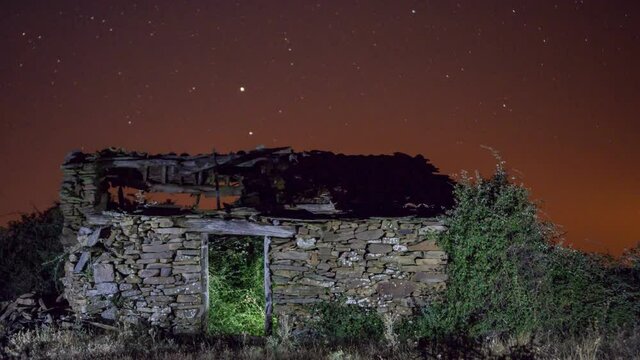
column 236, row 287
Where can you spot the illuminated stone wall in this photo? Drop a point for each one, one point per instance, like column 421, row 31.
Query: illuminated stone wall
column 153, row 270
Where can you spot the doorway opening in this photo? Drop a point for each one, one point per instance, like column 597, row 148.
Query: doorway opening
column 236, row 286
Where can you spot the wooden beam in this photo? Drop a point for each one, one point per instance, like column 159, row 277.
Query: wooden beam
column 204, row 258
column 237, row 227
column 195, row 189
column 315, row 208
column 267, row 288
column 99, row 219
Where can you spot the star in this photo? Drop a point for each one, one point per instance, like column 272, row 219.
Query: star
column 242, row 88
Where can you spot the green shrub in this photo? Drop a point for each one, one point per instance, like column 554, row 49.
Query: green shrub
column 29, row 249
column 341, row 323
column 492, row 219
column 236, row 286
column 507, row 278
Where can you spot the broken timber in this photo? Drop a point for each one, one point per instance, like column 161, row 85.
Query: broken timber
column 238, row 227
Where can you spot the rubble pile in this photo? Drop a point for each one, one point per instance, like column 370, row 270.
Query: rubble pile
column 31, row 310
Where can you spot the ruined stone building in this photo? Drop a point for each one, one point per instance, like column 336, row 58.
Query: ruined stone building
column 358, row 228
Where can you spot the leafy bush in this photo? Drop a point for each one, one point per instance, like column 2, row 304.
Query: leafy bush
column 507, row 278
column 236, row 286
column 341, row 323
column 492, row 220
column 28, row 250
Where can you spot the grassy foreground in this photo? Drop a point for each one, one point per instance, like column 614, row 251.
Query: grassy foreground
column 131, row 344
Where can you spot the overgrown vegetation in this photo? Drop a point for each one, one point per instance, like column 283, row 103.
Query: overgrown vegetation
column 29, row 248
column 509, row 279
column 340, row 323
column 236, row 286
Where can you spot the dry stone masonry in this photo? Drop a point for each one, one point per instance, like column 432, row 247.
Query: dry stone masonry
column 392, row 265
column 139, row 269
column 148, row 265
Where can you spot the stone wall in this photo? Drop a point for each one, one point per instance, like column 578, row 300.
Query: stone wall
column 392, row 265
column 78, row 196
column 139, row 269
column 153, row 270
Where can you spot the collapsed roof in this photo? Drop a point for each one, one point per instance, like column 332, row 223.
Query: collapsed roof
column 276, row 181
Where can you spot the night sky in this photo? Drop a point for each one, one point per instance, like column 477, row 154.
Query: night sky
column 553, row 85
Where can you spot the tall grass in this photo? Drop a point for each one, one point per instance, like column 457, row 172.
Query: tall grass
column 236, row 287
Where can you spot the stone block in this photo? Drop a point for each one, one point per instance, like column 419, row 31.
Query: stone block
column 191, row 277
column 158, row 266
column 84, row 258
column 184, row 259
column 396, row 289
column 298, row 300
column 132, row 279
column 125, row 287
column 435, row 228
column 103, row 273
column 194, row 288
column 379, row 277
column 171, row 231
column 417, row 268
column 379, row 248
column 434, row 255
column 155, row 299
column 306, row 243
column 431, row 261
column 427, row 245
column 357, row 244
column 186, row 268
column 159, row 280
column 370, row 234
column 279, row 280
column 148, row 273
column 157, row 255
column 191, row 244
column 187, row 313
column 158, row 248
column 189, row 299
column 289, row 267
column 334, row 237
column 104, row 289
column 391, row 240
column 430, row 278
column 288, row 274
column 164, row 222
column 299, row 290
column 189, row 253
column 313, row 282
column 109, row 314
column 400, row 248
column 131, row 293
column 399, row 259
